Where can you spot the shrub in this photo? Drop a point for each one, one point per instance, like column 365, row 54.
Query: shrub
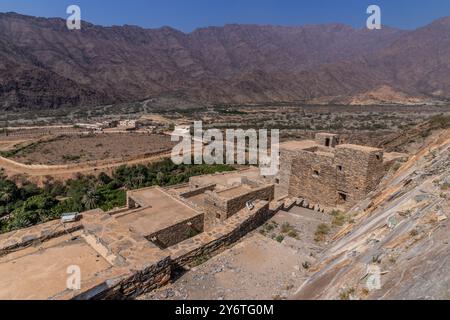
column 293, row 234
column 347, row 294
column 321, row 232
column 339, row 218
column 268, row 226
column 286, row 227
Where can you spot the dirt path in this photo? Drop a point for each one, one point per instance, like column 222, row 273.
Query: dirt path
column 38, row 173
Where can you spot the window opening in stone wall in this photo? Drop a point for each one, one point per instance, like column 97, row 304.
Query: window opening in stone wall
column 343, row 197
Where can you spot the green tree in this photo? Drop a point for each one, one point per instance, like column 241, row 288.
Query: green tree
column 91, row 199
column 33, row 211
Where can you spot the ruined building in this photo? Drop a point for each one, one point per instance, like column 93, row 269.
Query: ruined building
column 132, row 250
column 327, row 173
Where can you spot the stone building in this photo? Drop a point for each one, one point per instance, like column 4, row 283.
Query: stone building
column 127, row 125
column 132, row 250
column 328, row 174
column 221, row 196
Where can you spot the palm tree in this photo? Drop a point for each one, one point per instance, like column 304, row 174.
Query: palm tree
column 160, row 177
column 91, row 199
column 6, row 196
column 139, row 179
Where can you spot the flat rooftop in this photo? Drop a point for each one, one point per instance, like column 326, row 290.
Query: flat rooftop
column 158, row 211
column 325, row 154
column 234, row 192
column 40, row 272
column 180, row 190
column 198, row 199
column 298, row 145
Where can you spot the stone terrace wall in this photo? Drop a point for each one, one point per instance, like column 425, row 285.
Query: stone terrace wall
column 131, row 285
column 225, row 208
column 20, row 239
column 238, row 203
column 157, row 273
column 178, row 232
column 231, row 231
column 138, row 265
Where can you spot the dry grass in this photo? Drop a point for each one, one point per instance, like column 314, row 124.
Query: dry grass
column 322, row 231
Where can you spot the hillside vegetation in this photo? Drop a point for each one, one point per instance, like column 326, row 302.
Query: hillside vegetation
column 23, row 205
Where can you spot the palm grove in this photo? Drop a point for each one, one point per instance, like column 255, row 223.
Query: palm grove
column 24, row 204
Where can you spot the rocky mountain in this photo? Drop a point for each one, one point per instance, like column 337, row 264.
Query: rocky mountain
column 44, row 65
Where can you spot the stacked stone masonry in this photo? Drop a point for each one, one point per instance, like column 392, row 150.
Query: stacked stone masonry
column 129, row 262
column 328, row 174
column 130, row 251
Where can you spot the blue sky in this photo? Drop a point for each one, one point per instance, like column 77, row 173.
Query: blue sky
column 187, row 15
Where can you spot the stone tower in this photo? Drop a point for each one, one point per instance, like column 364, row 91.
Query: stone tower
column 328, row 174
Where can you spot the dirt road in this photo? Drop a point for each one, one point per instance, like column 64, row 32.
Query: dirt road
column 39, row 173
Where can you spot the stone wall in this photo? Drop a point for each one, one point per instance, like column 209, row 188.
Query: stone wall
column 178, row 232
column 236, row 204
column 285, row 172
column 331, row 177
column 376, row 170
column 156, row 274
column 327, row 139
column 131, row 285
column 314, row 178
column 198, row 191
column 20, row 239
column 215, row 206
column 138, row 266
column 361, row 171
column 224, row 208
column 206, row 244
column 131, row 203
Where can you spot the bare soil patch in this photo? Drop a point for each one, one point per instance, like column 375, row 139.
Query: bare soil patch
column 78, row 149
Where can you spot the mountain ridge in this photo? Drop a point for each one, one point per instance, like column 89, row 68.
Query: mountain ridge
column 47, row 66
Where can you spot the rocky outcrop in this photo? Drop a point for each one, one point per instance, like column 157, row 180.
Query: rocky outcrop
column 397, row 245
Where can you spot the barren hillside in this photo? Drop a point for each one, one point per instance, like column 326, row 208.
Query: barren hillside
column 403, row 229
column 44, row 65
